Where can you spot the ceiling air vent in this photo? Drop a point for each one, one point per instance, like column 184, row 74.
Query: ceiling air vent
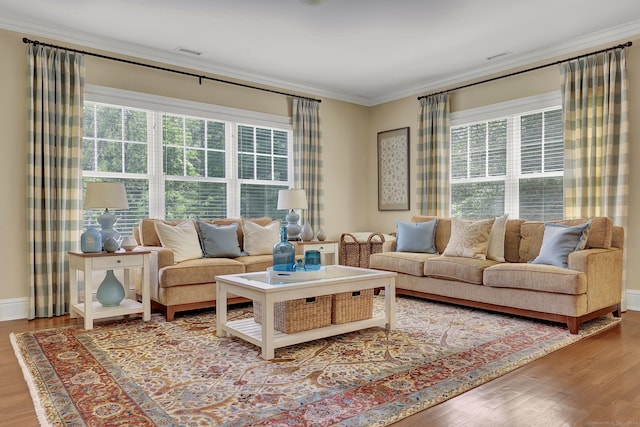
column 188, row 51
column 499, row 55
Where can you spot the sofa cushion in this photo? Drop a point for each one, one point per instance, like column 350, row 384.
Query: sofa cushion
column 559, row 241
column 495, row 251
column 197, row 271
column 401, row 262
column 416, row 236
column 149, row 237
column 255, row 263
column 600, row 235
column 219, row 241
column 258, row 239
column 537, row 277
column 462, row 269
column 181, row 238
column 469, row 239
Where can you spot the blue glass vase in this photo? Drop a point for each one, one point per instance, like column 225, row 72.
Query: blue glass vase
column 284, row 253
column 110, row 292
column 91, row 240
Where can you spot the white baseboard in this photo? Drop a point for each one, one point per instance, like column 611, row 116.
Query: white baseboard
column 14, row 308
column 18, row 308
column 633, row 300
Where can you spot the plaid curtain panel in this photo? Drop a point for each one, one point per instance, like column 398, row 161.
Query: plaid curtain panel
column 433, row 153
column 307, row 157
column 596, row 137
column 54, row 174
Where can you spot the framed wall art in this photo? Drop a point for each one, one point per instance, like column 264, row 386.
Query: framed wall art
column 393, row 170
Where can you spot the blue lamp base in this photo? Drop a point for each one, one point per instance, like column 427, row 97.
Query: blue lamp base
column 110, row 292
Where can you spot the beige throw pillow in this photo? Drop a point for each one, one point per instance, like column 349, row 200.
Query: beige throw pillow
column 259, row 240
column 495, row 251
column 181, row 238
column 469, row 239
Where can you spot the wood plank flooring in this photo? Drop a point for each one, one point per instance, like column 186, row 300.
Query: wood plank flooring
column 595, row 382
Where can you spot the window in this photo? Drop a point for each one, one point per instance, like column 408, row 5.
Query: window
column 508, row 159
column 194, row 161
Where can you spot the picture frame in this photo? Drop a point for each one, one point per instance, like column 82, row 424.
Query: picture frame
column 393, row 170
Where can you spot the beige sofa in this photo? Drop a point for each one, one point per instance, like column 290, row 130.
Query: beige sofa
column 190, row 284
column 591, row 285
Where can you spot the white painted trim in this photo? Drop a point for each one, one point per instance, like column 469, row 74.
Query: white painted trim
column 147, row 101
column 633, row 299
column 14, row 309
column 507, row 108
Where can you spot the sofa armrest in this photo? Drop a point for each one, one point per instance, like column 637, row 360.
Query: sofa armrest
column 603, row 268
column 164, row 255
column 389, row 246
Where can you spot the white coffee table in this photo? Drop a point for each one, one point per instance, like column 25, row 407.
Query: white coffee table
column 256, row 286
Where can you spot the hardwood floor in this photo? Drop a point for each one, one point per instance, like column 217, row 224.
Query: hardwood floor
column 595, row 382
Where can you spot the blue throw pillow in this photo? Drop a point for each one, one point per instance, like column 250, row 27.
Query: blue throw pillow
column 416, row 236
column 219, row 241
column 559, row 241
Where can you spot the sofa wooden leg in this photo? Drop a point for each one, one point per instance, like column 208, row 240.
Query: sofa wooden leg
column 170, row 314
column 572, row 324
column 617, row 312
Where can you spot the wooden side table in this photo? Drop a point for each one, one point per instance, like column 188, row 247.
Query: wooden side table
column 87, row 263
column 328, row 250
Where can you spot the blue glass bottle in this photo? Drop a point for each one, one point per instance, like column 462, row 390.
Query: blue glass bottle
column 284, row 253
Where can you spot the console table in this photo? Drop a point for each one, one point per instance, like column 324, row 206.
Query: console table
column 328, row 249
column 87, row 263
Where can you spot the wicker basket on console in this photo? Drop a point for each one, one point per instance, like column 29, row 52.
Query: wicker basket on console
column 298, row 315
column 355, row 252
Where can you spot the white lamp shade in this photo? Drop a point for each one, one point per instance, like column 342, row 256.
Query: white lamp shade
column 292, row 199
column 105, row 195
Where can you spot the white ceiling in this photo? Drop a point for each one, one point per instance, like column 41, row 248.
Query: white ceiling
column 361, row 51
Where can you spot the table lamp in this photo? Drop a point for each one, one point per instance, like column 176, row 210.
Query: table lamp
column 292, row 199
column 106, row 195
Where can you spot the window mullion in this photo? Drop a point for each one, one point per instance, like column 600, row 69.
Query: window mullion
column 232, row 165
column 512, row 187
column 155, row 159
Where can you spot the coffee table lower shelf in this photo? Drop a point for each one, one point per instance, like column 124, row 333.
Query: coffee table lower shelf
column 251, row 331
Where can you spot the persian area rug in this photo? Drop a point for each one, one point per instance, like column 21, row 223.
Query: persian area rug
column 136, row 373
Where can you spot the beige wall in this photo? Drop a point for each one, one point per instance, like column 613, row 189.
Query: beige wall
column 348, row 135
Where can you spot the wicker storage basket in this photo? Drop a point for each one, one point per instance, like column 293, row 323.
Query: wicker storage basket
column 299, row 314
column 352, row 306
column 355, row 252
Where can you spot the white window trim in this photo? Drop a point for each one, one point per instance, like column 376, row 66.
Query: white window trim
column 158, row 103
column 165, row 104
column 500, row 110
column 507, row 108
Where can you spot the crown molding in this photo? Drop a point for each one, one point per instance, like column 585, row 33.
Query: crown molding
column 91, row 41
column 616, row 34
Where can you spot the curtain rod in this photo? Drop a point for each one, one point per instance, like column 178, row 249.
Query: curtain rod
column 620, row 46
column 155, row 67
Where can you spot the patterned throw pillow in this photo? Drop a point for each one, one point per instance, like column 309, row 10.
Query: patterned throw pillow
column 469, row 239
column 260, row 240
column 182, row 239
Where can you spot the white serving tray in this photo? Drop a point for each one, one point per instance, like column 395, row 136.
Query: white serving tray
column 294, row 276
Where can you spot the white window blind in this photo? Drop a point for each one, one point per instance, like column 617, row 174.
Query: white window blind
column 508, row 159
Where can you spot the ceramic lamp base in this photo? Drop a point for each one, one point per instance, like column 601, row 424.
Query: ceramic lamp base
column 110, row 292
